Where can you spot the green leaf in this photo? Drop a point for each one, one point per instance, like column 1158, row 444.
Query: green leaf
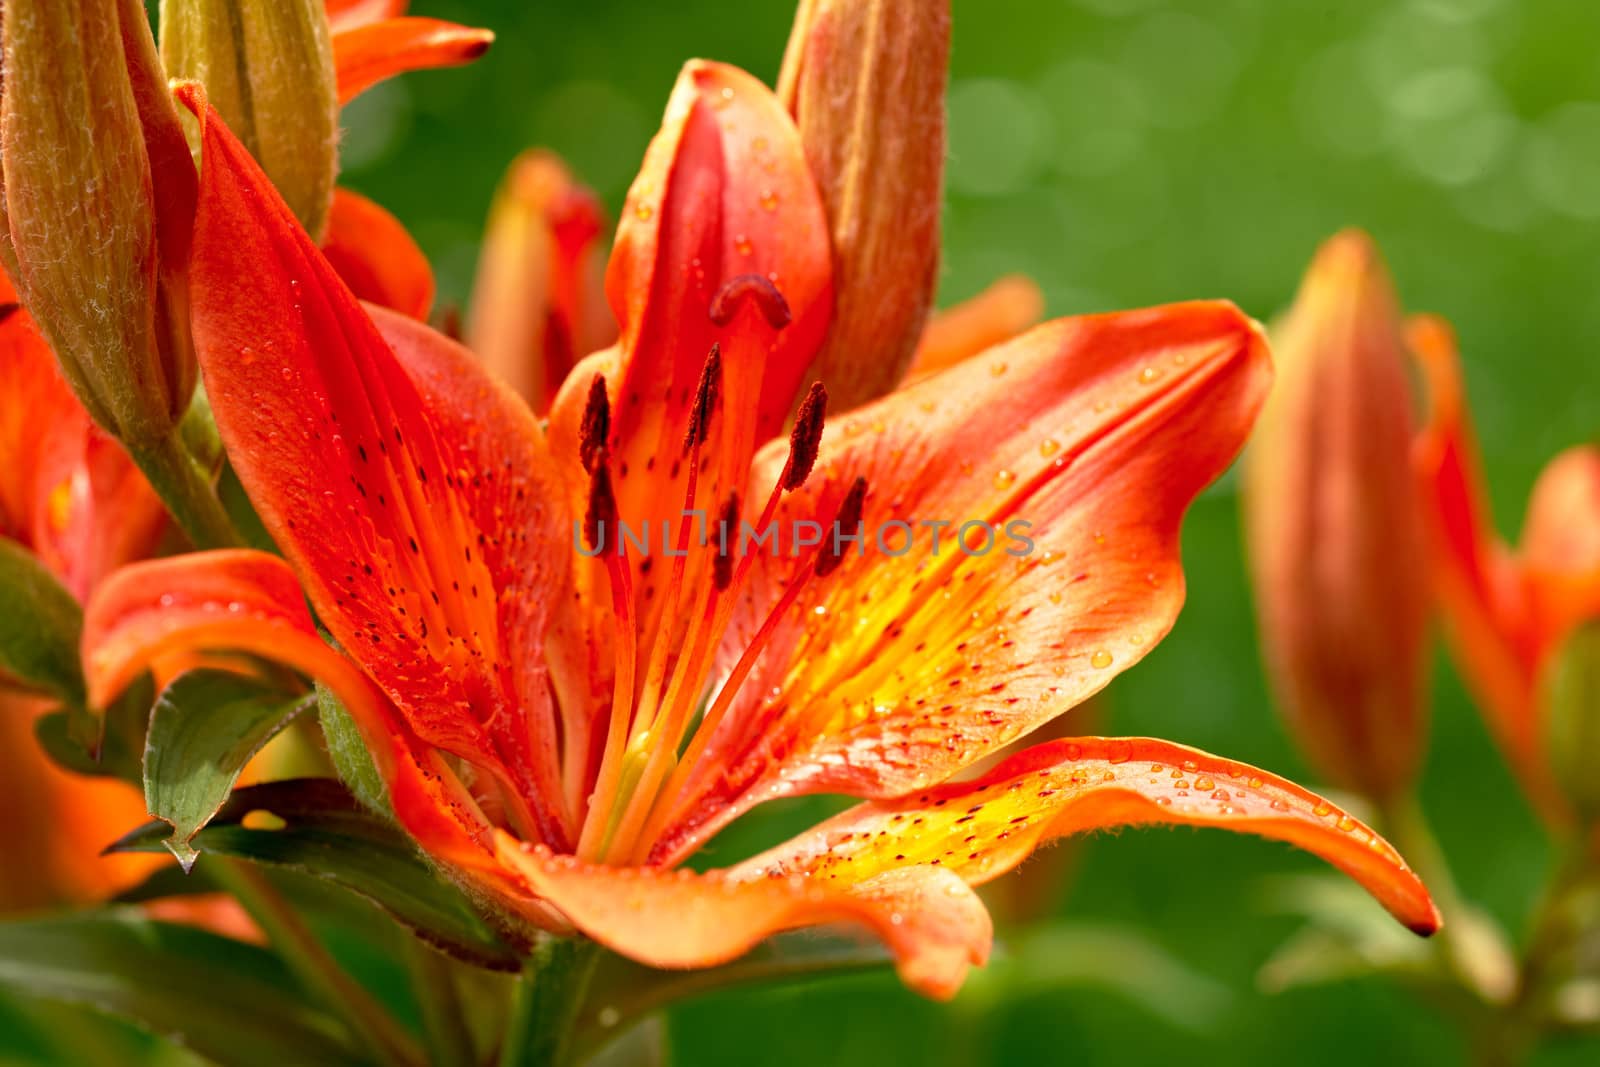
column 206, row 726
column 349, row 754
column 109, row 746
column 40, row 627
column 1349, row 936
column 232, row 1002
column 322, row 831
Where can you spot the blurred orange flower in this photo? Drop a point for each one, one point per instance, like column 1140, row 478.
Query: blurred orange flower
column 1508, row 609
column 71, row 496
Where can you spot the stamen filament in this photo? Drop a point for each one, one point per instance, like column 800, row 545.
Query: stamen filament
column 621, row 704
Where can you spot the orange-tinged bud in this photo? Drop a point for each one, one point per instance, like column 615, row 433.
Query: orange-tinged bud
column 267, row 66
column 1334, row 526
column 539, row 304
column 1571, row 696
column 865, row 81
column 98, row 202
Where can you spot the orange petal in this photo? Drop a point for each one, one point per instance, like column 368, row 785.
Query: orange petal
column 897, row 671
column 1481, row 590
column 1009, row 306
column 36, row 406
column 347, row 14
column 59, row 822
column 935, row 926
column 367, row 53
column 537, row 303
column 410, row 490
column 1560, row 547
column 376, row 257
column 724, row 194
column 246, row 601
column 67, row 490
column 979, row 830
column 237, row 600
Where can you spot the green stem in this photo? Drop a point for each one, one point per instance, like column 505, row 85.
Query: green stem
column 1408, row 829
column 313, row 964
column 548, row 996
column 443, row 1025
column 186, row 490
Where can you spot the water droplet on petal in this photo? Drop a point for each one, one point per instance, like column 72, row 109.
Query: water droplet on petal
column 1100, row 660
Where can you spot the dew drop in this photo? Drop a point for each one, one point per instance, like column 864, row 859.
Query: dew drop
column 769, row 200
column 998, row 368
column 1003, row 479
column 1100, row 660
column 644, row 212
column 1321, row 809
column 1148, row 375
column 742, row 245
column 1049, row 447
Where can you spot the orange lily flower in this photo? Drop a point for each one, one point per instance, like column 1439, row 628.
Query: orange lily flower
column 68, row 492
column 535, row 705
column 1508, row 610
column 71, row 495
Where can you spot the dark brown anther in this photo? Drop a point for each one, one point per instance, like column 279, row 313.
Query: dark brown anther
column 602, row 512
column 705, row 400
column 752, row 287
column 595, row 433
column 806, row 437
column 845, row 527
column 727, row 540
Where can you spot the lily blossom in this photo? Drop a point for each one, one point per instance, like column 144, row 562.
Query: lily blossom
column 1508, row 610
column 71, row 496
column 560, row 726
column 68, row 491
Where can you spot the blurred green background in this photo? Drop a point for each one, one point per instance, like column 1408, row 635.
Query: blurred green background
column 1128, row 152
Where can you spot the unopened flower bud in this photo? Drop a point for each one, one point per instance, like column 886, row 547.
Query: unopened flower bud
column 267, row 66
column 865, row 82
column 99, row 198
column 1572, row 720
column 539, row 303
column 1334, row 527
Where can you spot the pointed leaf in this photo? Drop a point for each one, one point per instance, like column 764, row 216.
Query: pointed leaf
column 350, row 757
column 38, row 645
column 226, row 1000
column 326, row 833
column 206, row 726
column 109, row 747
